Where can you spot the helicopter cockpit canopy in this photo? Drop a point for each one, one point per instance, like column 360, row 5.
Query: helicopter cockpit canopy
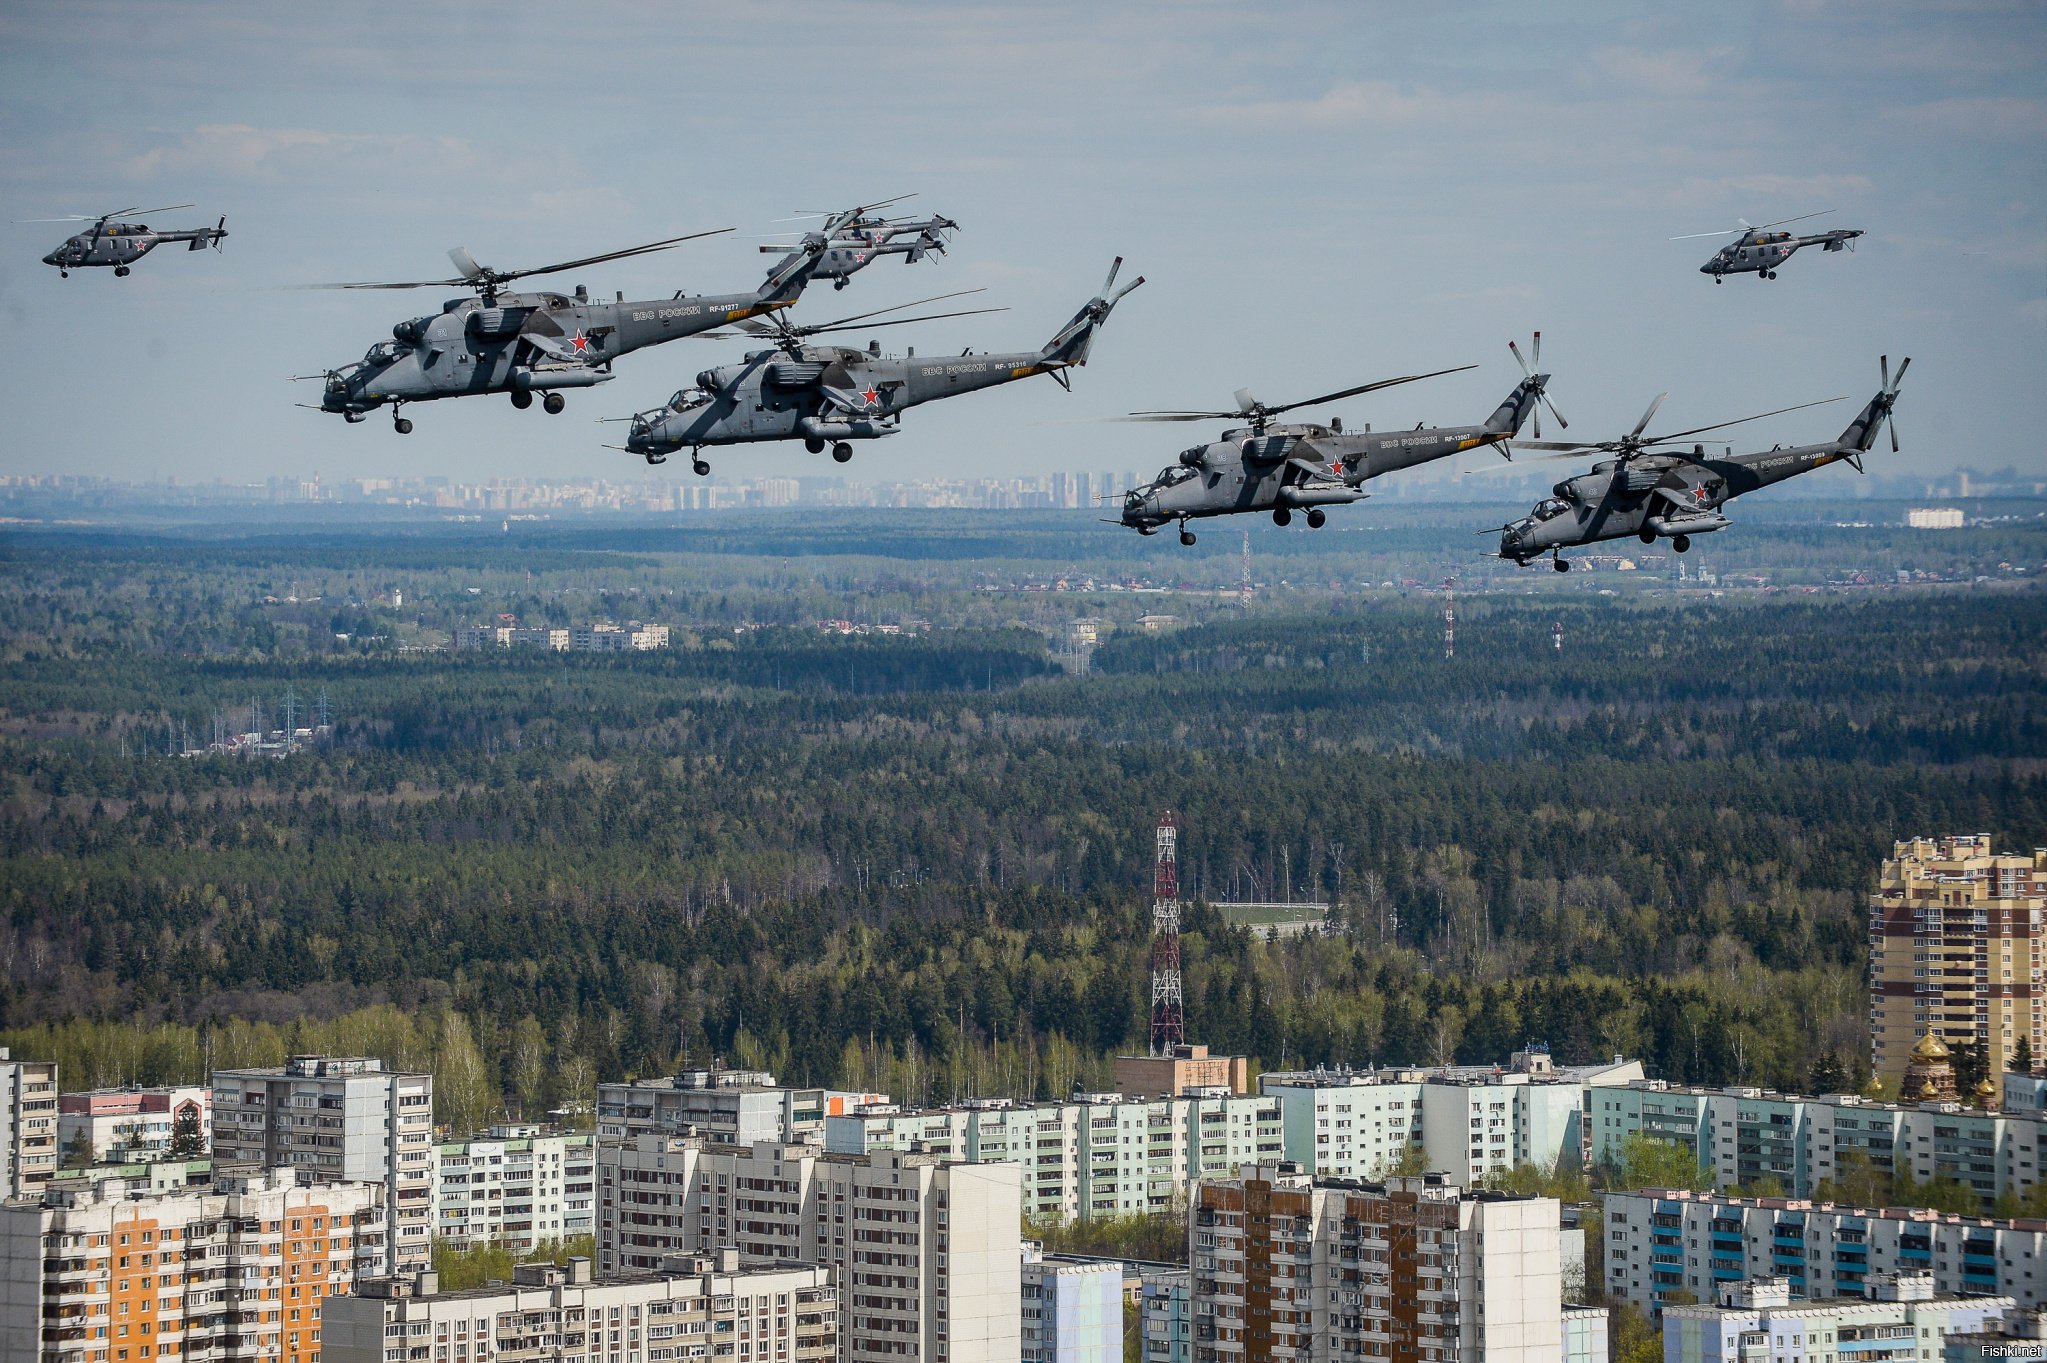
column 1550, row 508
column 1172, row 475
column 686, row 398
column 382, row 353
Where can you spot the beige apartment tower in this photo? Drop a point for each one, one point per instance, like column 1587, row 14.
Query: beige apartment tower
column 1958, row 950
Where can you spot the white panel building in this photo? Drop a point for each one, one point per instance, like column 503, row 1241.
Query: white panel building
column 338, row 1117
column 926, row 1251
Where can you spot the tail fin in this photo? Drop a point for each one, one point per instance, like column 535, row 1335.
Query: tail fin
column 1074, row 340
column 1513, row 412
column 1861, row 434
column 788, row 275
column 1529, row 397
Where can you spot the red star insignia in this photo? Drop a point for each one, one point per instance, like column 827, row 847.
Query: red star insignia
column 580, row 342
column 859, row 255
column 1336, row 467
column 1699, row 494
column 871, row 395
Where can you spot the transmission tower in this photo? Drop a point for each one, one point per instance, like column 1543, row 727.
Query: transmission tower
column 1168, row 1009
column 1449, row 623
column 1244, row 582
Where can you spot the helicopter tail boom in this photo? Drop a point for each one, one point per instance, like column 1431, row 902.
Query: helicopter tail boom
column 1077, row 338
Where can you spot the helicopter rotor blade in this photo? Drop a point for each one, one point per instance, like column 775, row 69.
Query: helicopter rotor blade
column 1894, row 435
column 898, row 322
column 1899, row 381
column 1647, row 417
column 879, row 312
column 1883, row 368
column 1177, row 416
column 1723, row 232
column 1526, row 372
column 1366, row 388
column 664, row 245
column 1800, row 218
column 1696, row 430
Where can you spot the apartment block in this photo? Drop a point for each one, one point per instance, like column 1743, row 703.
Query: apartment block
column 133, row 1124
column 28, row 1124
column 241, row 1270
column 1468, row 1122
column 1288, row 1266
column 742, row 1107
column 1099, row 1154
column 1744, row 1135
column 1166, row 1315
column 338, row 1117
column 513, row 636
column 924, row 1250
column 692, row 1307
column 1660, row 1241
column 518, row 1186
column 1958, row 949
column 605, row 637
column 1900, row 1317
column 1072, row 1308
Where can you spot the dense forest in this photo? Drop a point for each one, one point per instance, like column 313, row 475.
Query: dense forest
column 917, row 862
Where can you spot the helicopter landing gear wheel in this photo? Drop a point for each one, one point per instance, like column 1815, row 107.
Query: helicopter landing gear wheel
column 402, row 425
column 1681, row 543
column 553, row 403
column 842, row 452
column 1646, row 536
column 63, row 274
column 1186, row 536
column 813, row 444
column 521, row 399
column 1282, row 516
column 1316, row 517
column 701, row 469
column 1562, row 565
column 120, row 272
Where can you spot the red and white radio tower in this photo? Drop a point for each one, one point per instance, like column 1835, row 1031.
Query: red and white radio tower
column 1168, row 1010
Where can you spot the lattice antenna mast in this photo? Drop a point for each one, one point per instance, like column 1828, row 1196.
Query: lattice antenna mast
column 1168, row 1007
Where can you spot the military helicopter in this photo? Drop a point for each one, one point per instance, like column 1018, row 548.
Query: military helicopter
column 527, row 343
column 830, row 394
column 851, row 240
column 1654, row 493
column 1760, row 251
column 120, row 244
column 1282, row 469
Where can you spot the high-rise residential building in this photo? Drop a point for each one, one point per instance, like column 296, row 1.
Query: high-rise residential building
column 1072, row 1308
column 338, row 1117
column 1286, row 1266
column 517, row 1186
column 133, row 1124
column 1661, row 1241
column 1466, row 1122
column 1900, row 1317
column 1097, row 1154
column 28, row 1124
column 1166, row 1315
column 1746, row 1136
column 738, row 1106
column 100, row 1273
column 1958, row 949
column 691, row 1307
column 926, row 1252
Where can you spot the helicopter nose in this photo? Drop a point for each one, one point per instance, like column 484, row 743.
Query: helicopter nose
column 51, row 259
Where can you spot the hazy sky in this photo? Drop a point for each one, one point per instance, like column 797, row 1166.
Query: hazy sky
column 1319, row 194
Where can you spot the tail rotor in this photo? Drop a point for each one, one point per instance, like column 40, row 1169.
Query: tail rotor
column 1530, row 368
column 1890, row 391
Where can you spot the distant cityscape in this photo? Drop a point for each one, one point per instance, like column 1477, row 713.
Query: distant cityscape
column 1070, row 490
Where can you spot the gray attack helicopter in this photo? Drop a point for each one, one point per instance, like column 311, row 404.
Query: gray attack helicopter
column 1759, row 251
column 527, row 343
column 118, row 243
column 1287, row 468
column 833, row 395
column 1660, row 493
column 852, row 239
